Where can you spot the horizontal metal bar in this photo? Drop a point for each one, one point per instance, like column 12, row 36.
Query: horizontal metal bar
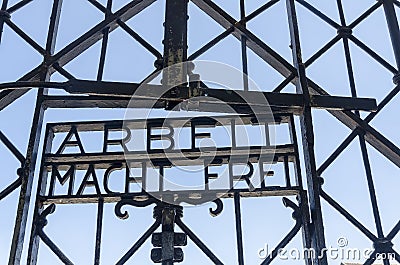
column 100, row 88
column 174, row 155
column 194, row 194
column 343, row 103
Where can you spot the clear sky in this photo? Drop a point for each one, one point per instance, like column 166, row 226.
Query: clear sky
column 266, row 220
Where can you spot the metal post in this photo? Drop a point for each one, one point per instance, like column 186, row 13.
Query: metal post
column 165, row 242
column 175, row 52
column 175, row 41
column 306, row 123
column 393, row 26
column 28, row 169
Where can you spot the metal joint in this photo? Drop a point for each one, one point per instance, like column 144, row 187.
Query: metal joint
column 4, row 14
column 396, row 79
column 344, row 31
column 383, row 245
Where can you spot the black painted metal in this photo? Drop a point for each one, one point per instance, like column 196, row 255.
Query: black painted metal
column 90, row 94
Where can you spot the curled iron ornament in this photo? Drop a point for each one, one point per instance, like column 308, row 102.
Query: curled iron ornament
column 296, row 209
column 218, row 210
column 219, row 204
column 129, row 201
column 42, row 220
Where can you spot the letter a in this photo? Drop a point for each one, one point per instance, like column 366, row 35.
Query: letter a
column 68, row 142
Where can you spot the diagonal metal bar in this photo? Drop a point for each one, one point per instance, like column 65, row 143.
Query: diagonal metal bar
column 129, row 30
column 211, row 44
column 139, row 39
column 373, row 137
column 377, row 140
column 284, row 83
column 355, row 132
column 371, row 260
column 18, row 5
column 198, row 242
column 394, row 231
column 56, row 250
column 319, row 13
column 25, row 37
column 100, row 6
column 10, row 188
column 396, row 255
column 371, row 186
column 229, row 30
column 12, row 148
column 364, row 15
column 348, row 216
column 63, row 72
column 139, row 243
column 254, row 43
column 292, row 233
column 321, row 51
column 260, row 10
column 337, row 151
column 77, row 47
column 373, row 54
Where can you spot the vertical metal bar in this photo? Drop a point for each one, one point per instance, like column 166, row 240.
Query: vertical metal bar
column 167, row 228
column 41, row 189
column 28, row 169
column 306, row 123
column 104, row 44
column 302, row 197
column 287, row 173
column 99, row 228
column 394, row 30
column 233, row 132
column 239, row 236
column 346, row 46
column 3, row 10
column 244, row 47
column 161, row 179
column 175, row 41
column 371, row 187
column 175, row 52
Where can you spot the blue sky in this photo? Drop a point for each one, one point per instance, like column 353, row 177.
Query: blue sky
column 265, row 221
